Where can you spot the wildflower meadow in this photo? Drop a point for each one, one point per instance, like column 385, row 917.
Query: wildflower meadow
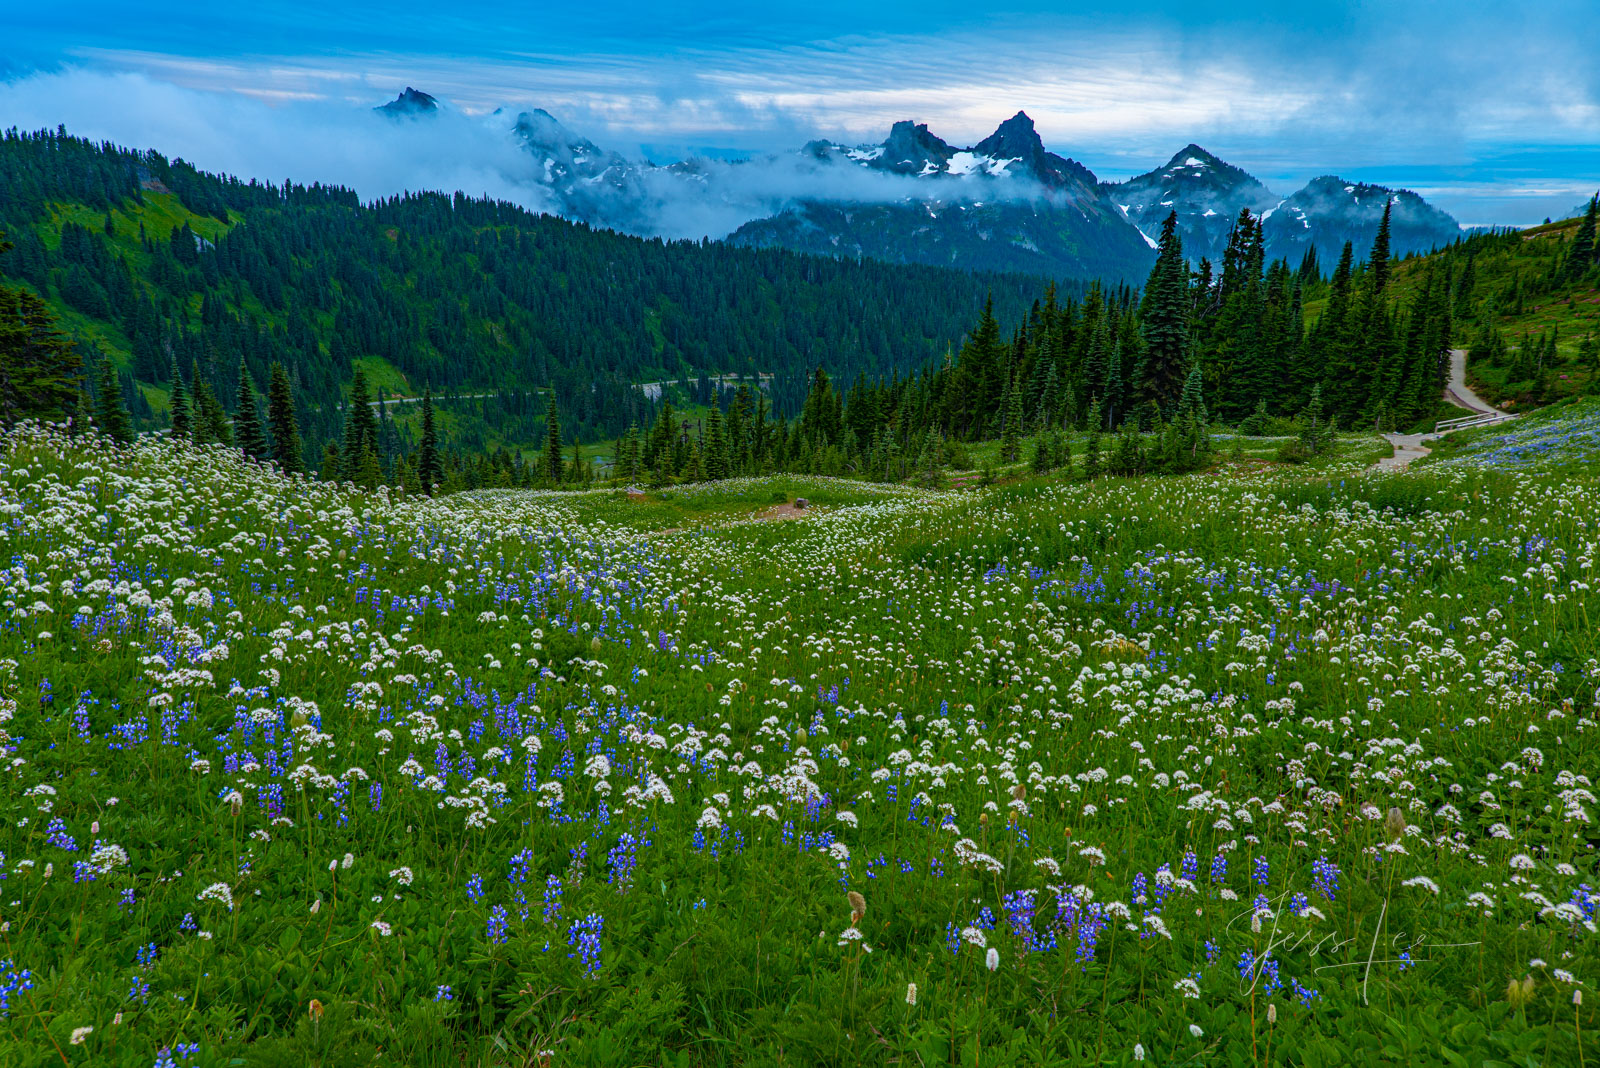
column 1241, row 768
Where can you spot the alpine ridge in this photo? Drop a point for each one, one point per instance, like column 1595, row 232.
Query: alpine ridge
column 1208, row 194
column 1005, row 203
column 1005, row 200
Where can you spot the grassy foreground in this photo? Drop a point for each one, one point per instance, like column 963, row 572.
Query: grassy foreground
column 1222, row 770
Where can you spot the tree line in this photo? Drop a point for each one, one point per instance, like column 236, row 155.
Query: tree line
column 453, row 293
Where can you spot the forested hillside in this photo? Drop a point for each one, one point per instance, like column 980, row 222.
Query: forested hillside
column 1527, row 308
column 196, row 287
column 1260, row 345
column 164, row 267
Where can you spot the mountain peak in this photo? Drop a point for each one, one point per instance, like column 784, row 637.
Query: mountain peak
column 410, row 102
column 1015, row 138
column 910, row 146
column 542, row 129
column 1192, row 155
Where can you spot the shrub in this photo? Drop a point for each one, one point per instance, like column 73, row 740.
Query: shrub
column 1293, row 451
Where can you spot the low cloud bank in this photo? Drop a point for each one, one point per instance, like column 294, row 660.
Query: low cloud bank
column 380, row 155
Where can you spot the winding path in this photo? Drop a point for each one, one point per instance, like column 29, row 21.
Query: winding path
column 1408, row 447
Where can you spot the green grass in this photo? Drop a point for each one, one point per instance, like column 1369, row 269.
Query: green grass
column 1571, row 308
column 381, row 374
column 1559, row 439
column 462, row 781
column 1350, row 450
column 707, row 506
column 160, row 214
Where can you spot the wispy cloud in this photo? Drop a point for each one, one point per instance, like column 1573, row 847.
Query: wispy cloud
column 291, row 137
column 1340, row 90
column 277, row 133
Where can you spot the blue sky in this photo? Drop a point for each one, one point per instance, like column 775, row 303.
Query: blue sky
column 1490, row 110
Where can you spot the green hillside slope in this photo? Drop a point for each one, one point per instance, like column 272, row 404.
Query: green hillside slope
column 1527, row 306
column 156, row 264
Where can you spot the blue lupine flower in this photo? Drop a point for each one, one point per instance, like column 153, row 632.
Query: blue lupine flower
column 497, row 924
column 1325, row 879
column 584, row 937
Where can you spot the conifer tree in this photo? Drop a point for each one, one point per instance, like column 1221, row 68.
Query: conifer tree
column 358, row 455
column 1379, row 261
column 1164, row 319
column 740, row 413
column 1098, row 360
column 979, row 374
column 932, row 474
column 1011, row 435
column 1310, row 270
column 1464, row 290
column 1043, row 460
column 1589, row 353
column 1091, row 447
column 1048, row 389
column 406, row 476
column 430, row 471
column 1197, row 439
column 551, row 465
column 696, row 470
column 1114, row 400
column 716, row 445
column 1060, row 451
column 1581, row 256
column 1311, row 421
column 282, row 424
column 1128, row 458
column 39, row 365
column 182, row 420
column 248, row 433
column 110, row 413
column 210, row 420
column 1192, row 401
column 627, row 461
column 1255, row 424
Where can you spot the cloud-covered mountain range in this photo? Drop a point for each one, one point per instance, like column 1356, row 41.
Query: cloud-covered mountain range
column 1004, row 203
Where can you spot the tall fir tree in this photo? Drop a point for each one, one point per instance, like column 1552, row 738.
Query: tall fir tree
column 1465, row 288
column 1091, row 446
column 551, row 465
column 1101, row 366
column 358, row 451
column 430, row 469
column 1581, row 256
column 210, row 419
column 39, row 365
column 182, row 414
column 1117, row 407
column 1043, row 458
column 110, row 413
column 716, row 445
column 626, row 465
column 1379, row 263
column 282, row 424
column 1312, row 420
column 979, row 373
column 248, row 433
column 1192, row 402
column 1011, row 431
column 1164, row 317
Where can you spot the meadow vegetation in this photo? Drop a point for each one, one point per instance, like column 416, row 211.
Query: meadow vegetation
column 1259, row 765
